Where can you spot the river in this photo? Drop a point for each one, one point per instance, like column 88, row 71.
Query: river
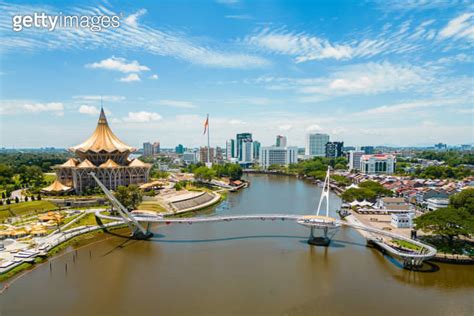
column 239, row 268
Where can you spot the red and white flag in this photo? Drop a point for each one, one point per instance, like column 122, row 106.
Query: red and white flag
column 206, row 124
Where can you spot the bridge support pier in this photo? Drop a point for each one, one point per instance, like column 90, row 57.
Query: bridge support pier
column 137, row 234
column 319, row 240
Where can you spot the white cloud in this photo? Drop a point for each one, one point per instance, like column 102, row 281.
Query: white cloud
column 459, row 27
column 413, row 105
column 314, row 128
column 236, row 122
column 89, row 110
column 128, row 37
column 285, row 127
column 118, row 64
column 20, row 106
column 358, row 79
column 304, row 47
column 133, row 18
column 142, row 117
column 177, row 104
column 153, row 77
column 130, row 78
column 239, row 17
column 108, row 98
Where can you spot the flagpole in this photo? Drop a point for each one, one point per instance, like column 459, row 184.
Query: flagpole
column 208, row 142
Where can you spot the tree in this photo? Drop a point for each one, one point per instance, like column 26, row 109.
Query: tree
column 375, row 187
column 31, row 175
column 463, row 199
column 204, row 174
column 130, row 196
column 6, row 174
column 447, row 222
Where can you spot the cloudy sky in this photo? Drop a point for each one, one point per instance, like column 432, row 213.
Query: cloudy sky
column 365, row 72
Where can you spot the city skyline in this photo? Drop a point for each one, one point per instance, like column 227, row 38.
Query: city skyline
column 394, row 75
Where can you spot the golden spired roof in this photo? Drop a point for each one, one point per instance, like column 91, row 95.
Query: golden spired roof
column 86, row 164
column 103, row 139
column 70, row 163
column 57, row 186
column 137, row 163
column 109, row 164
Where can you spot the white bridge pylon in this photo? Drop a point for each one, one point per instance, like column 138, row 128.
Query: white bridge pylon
column 325, row 194
column 138, row 231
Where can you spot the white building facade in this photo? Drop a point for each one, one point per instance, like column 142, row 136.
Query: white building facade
column 273, row 155
column 377, row 164
column 316, row 145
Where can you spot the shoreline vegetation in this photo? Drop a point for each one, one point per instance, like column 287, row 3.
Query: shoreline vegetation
column 89, row 220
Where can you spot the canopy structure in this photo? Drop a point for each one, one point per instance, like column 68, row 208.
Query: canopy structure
column 103, row 140
column 56, row 187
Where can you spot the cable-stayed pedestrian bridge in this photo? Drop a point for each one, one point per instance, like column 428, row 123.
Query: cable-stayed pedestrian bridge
column 325, row 224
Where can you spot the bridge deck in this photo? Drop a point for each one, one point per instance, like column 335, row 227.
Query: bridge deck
column 426, row 253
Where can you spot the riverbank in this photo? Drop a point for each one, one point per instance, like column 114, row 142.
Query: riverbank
column 52, row 244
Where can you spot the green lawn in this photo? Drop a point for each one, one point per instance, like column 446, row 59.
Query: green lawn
column 152, row 206
column 26, row 208
column 49, row 177
column 406, row 244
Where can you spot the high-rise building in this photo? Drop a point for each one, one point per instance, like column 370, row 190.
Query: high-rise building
column 368, row 150
column 246, row 152
column 156, row 148
column 378, row 163
column 189, row 157
column 354, row 159
column 219, row 158
column 240, row 140
column 334, row 149
column 179, row 149
column 280, row 141
column 316, row 144
column 230, row 149
column 203, row 152
column 441, row 146
column 147, row 149
column 256, row 150
column 274, row 155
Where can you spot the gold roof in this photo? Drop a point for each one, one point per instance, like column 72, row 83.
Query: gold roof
column 57, row 186
column 103, row 139
column 86, row 164
column 70, row 163
column 137, row 163
column 109, row 164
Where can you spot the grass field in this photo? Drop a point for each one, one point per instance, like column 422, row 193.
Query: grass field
column 25, row 208
column 152, row 206
column 406, row 244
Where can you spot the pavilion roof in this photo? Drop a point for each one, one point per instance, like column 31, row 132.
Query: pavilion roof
column 56, row 186
column 86, row 164
column 70, row 163
column 109, row 164
column 137, row 163
column 103, row 139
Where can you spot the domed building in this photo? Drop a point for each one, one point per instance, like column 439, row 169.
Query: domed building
column 107, row 156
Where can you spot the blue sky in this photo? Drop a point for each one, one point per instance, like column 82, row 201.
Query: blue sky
column 365, row 72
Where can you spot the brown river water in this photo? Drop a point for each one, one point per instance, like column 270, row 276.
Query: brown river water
column 239, row 268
